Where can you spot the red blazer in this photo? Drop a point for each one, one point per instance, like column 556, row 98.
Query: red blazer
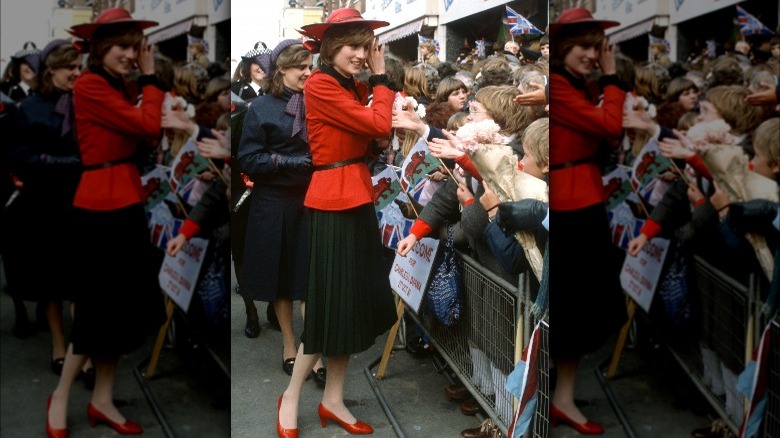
column 577, row 126
column 340, row 128
column 109, row 127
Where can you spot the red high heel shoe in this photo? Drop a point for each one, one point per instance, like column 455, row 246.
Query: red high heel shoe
column 50, row 431
column 126, row 428
column 284, row 433
column 587, row 428
column 359, row 428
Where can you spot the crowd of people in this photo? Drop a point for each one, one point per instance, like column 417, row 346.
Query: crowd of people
column 83, row 130
column 311, row 136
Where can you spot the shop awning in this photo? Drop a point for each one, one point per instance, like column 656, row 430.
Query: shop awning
column 401, row 31
column 632, row 31
column 169, row 32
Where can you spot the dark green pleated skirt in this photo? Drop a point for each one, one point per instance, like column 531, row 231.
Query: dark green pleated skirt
column 348, row 301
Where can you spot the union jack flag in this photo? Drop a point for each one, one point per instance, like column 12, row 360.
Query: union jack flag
column 480, row 48
column 518, row 24
column 436, row 45
column 749, row 25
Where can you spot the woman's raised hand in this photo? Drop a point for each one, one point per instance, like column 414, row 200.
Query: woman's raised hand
column 607, row 58
column 376, row 59
column 146, row 58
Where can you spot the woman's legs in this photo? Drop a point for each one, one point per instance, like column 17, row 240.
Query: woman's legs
column 103, row 394
column 333, row 396
column 54, row 318
column 563, row 396
column 283, row 309
column 288, row 412
column 319, row 363
column 58, row 410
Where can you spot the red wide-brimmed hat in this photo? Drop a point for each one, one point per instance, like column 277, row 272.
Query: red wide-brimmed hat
column 107, row 17
column 339, row 16
column 577, row 16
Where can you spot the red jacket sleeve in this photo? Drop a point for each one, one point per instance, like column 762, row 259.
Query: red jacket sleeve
column 420, row 229
column 583, row 116
column 352, row 116
column 650, row 229
column 124, row 117
column 698, row 165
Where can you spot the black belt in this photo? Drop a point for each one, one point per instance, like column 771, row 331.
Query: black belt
column 592, row 159
column 109, row 164
column 360, row 159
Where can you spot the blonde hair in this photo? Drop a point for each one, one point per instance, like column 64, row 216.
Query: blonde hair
column 646, row 83
column 536, row 140
column 415, row 83
column 185, row 83
column 456, row 121
column 767, row 139
column 498, row 101
column 729, row 100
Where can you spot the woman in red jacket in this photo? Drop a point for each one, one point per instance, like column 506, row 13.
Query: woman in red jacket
column 348, row 299
column 116, row 283
column 586, row 300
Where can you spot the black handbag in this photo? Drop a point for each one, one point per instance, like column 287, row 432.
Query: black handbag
column 445, row 292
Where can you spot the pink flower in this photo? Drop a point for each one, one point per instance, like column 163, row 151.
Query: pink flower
column 704, row 134
column 474, row 134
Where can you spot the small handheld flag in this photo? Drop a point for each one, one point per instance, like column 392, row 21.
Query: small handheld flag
column 518, row 24
column 749, row 25
column 480, row 48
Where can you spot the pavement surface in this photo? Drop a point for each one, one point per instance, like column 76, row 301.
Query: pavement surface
column 197, row 400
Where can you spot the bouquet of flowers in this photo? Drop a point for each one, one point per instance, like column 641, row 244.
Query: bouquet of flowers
column 498, row 166
column 728, row 164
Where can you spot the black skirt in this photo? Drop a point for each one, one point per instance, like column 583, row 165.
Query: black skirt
column 119, row 302
column 276, row 249
column 587, row 303
column 348, row 302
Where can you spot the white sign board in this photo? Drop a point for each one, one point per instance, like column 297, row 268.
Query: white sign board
column 179, row 274
column 409, row 275
column 639, row 276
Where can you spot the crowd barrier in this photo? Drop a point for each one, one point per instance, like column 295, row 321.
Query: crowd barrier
column 727, row 329
column 483, row 347
column 771, row 423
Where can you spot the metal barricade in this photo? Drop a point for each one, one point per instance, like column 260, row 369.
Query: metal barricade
column 724, row 336
column 771, row 423
column 481, row 349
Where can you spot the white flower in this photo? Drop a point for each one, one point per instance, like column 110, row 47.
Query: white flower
column 420, row 110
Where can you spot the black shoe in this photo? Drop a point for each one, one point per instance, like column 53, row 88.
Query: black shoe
column 252, row 327
column 88, row 377
column 56, row 365
column 418, row 347
column 287, row 365
column 23, row 330
column 272, row 319
column 320, row 376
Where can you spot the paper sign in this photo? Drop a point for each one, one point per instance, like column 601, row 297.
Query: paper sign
column 639, row 276
column 179, row 274
column 409, row 275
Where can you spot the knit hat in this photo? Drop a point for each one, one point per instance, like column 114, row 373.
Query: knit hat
column 268, row 63
column 53, row 44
